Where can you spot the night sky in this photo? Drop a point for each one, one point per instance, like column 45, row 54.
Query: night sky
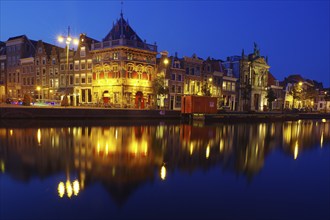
column 293, row 34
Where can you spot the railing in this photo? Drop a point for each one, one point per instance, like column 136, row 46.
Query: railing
column 124, row 42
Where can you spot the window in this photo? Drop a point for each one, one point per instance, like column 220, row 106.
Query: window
column 179, row 78
column 115, row 56
column 192, row 71
column 39, row 50
column 187, row 70
column 83, row 78
column 77, row 79
column 224, row 85
column 38, row 71
column 56, row 82
column 173, row 76
column 233, row 87
column 89, row 78
column 43, row 61
column 71, row 66
column 89, row 64
column 71, row 80
column 51, row 83
column 82, row 51
column 43, row 71
column 62, row 67
column 76, row 65
column 51, row 71
column 53, row 61
column 179, row 89
column 129, row 56
column 37, row 61
column 173, row 88
column 56, row 71
column 82, row 64
column 43, row 81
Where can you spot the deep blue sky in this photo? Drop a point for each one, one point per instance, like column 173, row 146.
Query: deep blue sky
column 293, row 34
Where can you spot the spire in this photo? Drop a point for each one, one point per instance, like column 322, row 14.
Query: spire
column 121, row 21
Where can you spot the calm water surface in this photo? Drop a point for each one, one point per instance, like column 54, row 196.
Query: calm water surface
column 112, row 170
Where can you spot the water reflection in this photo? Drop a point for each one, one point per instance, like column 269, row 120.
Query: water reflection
column 124, row 157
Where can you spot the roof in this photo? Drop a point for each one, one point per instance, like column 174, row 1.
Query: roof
column 17, row 37
column 271, row 79
column 122, row 30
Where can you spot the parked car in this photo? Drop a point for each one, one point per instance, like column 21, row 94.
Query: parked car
column 14, row 101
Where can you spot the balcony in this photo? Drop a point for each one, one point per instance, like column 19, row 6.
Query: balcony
column 124, row 42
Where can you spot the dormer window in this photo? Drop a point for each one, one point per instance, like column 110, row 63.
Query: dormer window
column 40, row 50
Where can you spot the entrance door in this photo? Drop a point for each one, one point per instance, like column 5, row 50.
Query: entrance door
column 256, row 102
column 139, row 101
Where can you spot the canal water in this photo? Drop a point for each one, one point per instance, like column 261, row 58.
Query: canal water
column 164, row 170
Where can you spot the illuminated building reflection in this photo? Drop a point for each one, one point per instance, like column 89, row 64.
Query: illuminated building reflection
column 123, row 158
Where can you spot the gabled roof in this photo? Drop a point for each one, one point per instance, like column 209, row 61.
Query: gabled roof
column 17, row 37
column 122, row 30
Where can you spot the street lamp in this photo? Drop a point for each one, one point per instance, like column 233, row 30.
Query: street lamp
column 68, row 40
column 165, row 63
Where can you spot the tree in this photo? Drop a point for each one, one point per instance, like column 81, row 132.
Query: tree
column 206, row 90
column 297, row 93
column 158, row 85
column 270, row 97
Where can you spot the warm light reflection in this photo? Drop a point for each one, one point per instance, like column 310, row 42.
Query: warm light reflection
column 76, row 187
column 324, row 120
column 221, row 145
column 39, row 136
column 11, row 132
column 61, row 189
column 207, row 154
column 321, row 141
column 191, row 148
column 163, row 172
column 296, row 150
column 2, row 167
column 68, row 188
column 116, row 134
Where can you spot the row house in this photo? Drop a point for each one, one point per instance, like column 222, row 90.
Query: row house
column 17, row 48
column 302, row 93
column 44, row 74
column 171, row 68
column 123, row 68
column 217, row 82
column 193, row 70
column 273, row 85
column 3, row 70
column 83, row 71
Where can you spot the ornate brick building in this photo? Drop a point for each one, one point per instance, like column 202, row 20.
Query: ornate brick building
column 123, row 68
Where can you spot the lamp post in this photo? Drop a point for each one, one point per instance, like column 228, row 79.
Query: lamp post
column 68, row 39
column 165, row 63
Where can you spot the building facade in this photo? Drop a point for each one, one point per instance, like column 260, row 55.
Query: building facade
column 123, row 68
column 253, row 82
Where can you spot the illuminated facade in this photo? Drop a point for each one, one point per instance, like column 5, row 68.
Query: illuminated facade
column 123, row 69
column 16, row 48
column 82, row 69
column 3, row 67
column 253, row 82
